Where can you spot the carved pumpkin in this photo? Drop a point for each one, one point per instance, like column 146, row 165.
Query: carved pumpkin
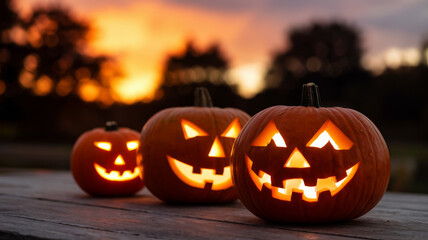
column 185, row 152
column 310, row 164
column 104, row 161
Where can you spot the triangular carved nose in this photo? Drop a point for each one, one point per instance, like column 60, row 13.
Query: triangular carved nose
column 216, row 149
column 119, row 160
column 296, row 160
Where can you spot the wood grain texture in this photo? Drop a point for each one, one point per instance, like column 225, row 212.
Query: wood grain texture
column 48, row 204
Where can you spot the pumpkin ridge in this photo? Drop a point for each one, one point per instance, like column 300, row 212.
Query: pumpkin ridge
column 345, row 116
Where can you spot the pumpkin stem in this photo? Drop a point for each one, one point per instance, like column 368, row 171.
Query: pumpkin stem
column 310, row 95
column 111, row 126
column 202, row 98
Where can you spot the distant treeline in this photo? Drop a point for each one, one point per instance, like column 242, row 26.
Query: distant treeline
column 328, row 54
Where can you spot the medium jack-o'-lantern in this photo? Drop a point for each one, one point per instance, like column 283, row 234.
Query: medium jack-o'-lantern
column 310, row 164
column 185, row 152
column 104, row 161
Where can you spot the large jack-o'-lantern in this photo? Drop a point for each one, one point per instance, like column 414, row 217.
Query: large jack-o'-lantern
column 185, row 152
column 310, row 164
column 104, row 161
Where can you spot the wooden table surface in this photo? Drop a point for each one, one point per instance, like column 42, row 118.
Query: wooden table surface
column 38, row 204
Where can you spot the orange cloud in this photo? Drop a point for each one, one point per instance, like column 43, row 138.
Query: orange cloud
column 141, row 35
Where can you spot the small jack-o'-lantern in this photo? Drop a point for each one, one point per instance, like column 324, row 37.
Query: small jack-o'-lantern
column 185, row 152
column 104, row 161
column 310, row 164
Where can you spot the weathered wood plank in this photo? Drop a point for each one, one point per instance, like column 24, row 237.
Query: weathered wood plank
column 71, row 221
column 398, row 216
column 14, row 227
column 411, row 202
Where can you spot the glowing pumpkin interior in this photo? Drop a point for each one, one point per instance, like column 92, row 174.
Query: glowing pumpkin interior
column 198, row 180
column 328, row 132
column 113, row 175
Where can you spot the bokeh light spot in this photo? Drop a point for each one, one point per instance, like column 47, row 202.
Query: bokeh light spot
column 43, row 86
column 89, row 90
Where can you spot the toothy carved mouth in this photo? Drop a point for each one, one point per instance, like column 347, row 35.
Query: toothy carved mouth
column 115, row 175
column 309, row 193
column 185, row 173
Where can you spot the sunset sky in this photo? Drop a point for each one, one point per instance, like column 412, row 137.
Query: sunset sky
column 140, row 34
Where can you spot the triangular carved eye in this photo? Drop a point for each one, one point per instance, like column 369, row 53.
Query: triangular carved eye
column 106, row 146
column 190, row 130
column 132, row 145
column 233, row 129
column 270, row 133
column 330, row 133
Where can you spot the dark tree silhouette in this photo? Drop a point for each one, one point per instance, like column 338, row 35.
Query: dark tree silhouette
column 183, row 73
column 8, row 16
column 196, row 66
column 399, row 101
column 43, row 69
column 48, row 46
column 11, row 54
column 327, row 54
column 58, row 41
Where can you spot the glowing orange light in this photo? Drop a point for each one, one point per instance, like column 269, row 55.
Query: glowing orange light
column 185, row 173
column 190, row 130
column 169, row 39
column 232, row 130
column 267, row 135
column 141, row 87
column 296, row 160
column 18, row 35
column 119, row 160
column 26, row 79
column 216, row 149
column 132, row 145
column 89, row 91
column 330, row 133
column 106, row 146
column 309, row 193
column 43, row 86
column 34, row 37
column 259, row 180
column 278, row 140
column 115, row 175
